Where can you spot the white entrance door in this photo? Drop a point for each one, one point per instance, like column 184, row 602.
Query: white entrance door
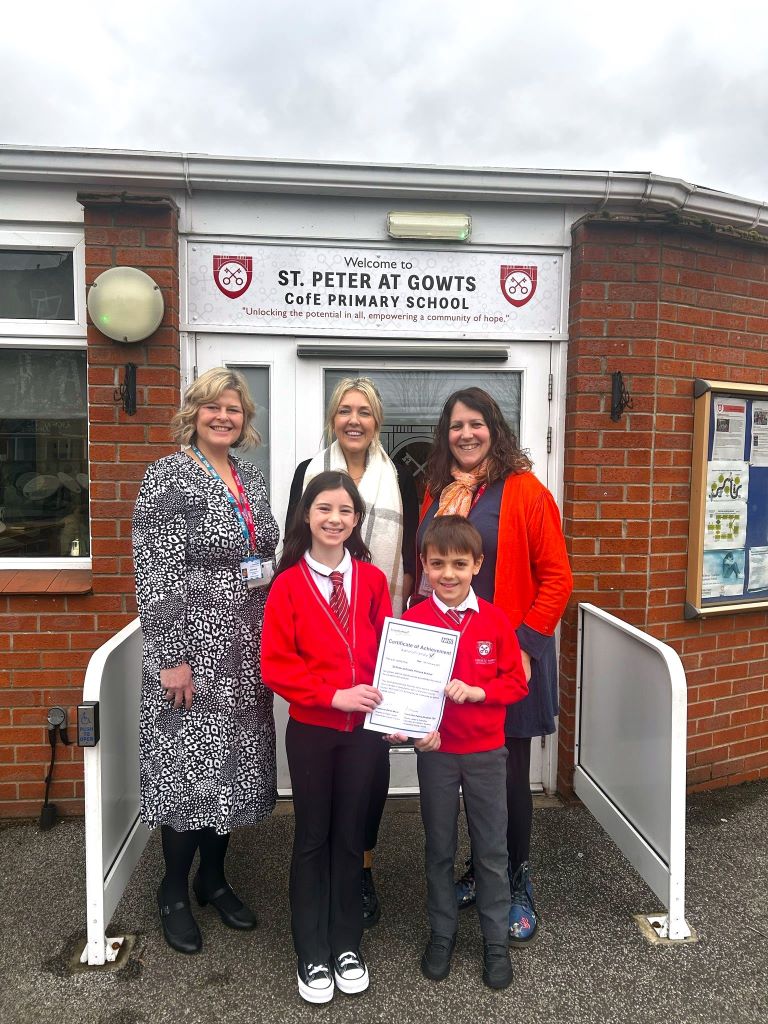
column 291, row 391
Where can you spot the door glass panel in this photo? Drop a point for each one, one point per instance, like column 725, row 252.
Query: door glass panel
column 257, row 378
column 413, row 400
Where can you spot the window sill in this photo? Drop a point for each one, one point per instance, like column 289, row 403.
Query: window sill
column 45, row 581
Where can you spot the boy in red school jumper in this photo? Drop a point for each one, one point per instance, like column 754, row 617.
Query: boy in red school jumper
column 470, row 752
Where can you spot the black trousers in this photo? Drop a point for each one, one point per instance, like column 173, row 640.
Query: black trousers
column 331, row 775
column 378, row 795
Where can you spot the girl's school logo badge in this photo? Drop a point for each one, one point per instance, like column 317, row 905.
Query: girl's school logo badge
column 232, row 274
column 484, row 648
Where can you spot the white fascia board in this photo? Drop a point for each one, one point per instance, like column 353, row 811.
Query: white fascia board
column 616, row 191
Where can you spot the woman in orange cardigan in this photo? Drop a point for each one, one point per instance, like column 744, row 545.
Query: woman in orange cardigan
column 476, row 469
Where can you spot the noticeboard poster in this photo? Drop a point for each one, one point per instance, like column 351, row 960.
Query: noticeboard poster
column 728, row 540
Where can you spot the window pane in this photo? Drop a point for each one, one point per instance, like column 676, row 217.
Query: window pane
column 413, row 401
column 36, row 285
column 257, row 378
column 43, row 454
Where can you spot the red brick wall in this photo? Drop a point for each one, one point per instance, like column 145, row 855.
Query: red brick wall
column 663, row 305
column 46, row 640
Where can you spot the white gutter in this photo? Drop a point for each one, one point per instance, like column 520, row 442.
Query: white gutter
column 614, row 191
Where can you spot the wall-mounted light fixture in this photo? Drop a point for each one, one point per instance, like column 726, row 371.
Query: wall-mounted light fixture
column 620, row 397
column 445, row 227
column 125, row 304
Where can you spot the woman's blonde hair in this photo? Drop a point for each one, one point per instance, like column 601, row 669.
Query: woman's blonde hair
column 207, row 388
column 368, row 390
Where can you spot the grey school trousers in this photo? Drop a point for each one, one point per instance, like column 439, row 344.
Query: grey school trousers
column 483, row 779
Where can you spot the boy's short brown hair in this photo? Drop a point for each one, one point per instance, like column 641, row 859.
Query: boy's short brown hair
column 452, row 533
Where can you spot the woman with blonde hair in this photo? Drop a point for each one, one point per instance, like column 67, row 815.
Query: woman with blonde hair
column 352, row 431
column 204, row 540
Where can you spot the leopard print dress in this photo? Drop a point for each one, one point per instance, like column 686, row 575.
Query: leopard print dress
column 214, row 764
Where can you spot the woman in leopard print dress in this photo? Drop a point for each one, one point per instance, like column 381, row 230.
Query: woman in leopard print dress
column 207, row 735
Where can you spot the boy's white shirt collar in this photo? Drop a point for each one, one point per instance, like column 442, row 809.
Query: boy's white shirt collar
column 469, row 604
column 323, row 570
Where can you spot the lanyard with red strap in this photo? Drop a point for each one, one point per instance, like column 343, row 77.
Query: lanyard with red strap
column 240, row 504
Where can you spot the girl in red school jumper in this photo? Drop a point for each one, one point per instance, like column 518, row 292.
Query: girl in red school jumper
column 322, row 625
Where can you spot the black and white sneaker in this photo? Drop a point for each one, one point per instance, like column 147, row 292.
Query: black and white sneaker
column 350, row 972
column 315, row 982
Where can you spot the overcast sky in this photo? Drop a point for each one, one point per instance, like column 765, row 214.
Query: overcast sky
column 672, row 87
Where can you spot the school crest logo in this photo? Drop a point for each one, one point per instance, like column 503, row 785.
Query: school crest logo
column 518, row 284
column 232, row 274
column 484, row 648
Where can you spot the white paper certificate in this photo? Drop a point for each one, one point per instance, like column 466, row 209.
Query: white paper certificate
column 413, row 668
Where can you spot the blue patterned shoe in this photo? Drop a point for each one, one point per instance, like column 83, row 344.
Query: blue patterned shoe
column 465, row 887
column 523, row 919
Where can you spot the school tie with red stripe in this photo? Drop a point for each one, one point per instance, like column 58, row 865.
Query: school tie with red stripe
column 454, row 616
column 339, row 603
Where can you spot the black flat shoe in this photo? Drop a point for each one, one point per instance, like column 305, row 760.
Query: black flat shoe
column 436, row 959
column 232, row 911
column 179, row 926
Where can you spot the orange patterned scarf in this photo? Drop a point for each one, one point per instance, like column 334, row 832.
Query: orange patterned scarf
column 456, row 498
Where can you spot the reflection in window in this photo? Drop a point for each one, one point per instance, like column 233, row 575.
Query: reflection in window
column 414, row 399
column 36, row 285
column 43, row 454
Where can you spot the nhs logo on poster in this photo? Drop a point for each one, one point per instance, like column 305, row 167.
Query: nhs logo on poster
column 297, row 289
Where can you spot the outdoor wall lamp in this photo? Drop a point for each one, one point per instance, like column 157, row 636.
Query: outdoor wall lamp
column 445, row 227
column 620, row 397
column 125, row 304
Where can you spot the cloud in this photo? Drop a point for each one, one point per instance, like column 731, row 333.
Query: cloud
column 672, row 88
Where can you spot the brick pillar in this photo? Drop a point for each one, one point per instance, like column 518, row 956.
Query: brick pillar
column 663, row 304
column 140, row 232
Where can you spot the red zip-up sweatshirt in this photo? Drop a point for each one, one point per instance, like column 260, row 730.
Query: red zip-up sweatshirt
column 306, row 656
column 488, row 656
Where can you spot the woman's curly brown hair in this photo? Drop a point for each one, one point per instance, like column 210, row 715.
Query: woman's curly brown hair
column 504, row 458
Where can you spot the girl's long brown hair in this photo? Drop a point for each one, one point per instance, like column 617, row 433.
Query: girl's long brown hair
column 504, row 458
column 298, row 539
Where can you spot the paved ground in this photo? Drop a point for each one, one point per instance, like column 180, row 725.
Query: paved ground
column 590, row 964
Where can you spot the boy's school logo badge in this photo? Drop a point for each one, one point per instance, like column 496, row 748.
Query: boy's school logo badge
column 484, row 648
column 232, row 274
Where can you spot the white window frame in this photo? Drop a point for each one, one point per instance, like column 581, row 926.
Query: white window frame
column 48, row 334
column 33, row 239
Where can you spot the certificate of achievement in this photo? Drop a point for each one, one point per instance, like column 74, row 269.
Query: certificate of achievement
column 414, row 667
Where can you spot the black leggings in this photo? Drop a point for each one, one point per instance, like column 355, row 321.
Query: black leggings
column 179, row 851
column 519, row 801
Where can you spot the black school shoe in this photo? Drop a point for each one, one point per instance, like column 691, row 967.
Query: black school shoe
column 232, row 911
column 179, row 926
column 371, row 906
column 497, row 967
column 436, row 959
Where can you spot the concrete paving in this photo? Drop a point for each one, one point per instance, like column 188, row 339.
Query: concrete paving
column 590, row 963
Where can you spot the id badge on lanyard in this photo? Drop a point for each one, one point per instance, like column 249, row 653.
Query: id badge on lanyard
column 257, row 572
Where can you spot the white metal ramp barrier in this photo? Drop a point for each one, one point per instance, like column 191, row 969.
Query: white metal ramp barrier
column 631, row 730
column 114, row 834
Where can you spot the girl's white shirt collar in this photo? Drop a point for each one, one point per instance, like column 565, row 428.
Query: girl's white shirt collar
column 321, row 574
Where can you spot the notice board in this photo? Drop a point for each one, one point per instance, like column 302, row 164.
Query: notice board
column 728, row 536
